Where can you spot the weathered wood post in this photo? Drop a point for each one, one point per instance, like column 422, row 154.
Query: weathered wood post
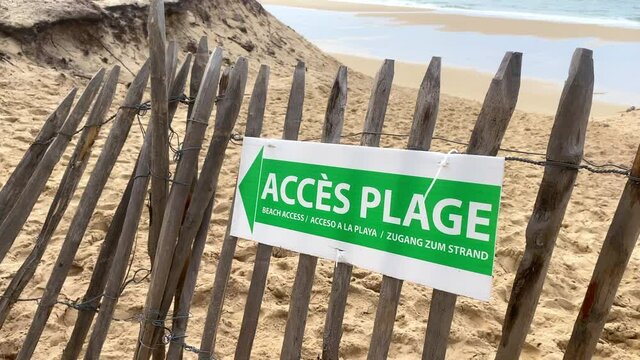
column 121, row 257
column 70, row 180
column 494, row 117
column 424, row 122
column 69, row 249
column 373, row 123
column 226, row 116
column 263, row 251
column 612, row 262
column 159, row 114
column 177, row 201
column 86, row 206
column 253, row 129
column 302, row 286
column 125, row 243
column 99, row 276
column 13, row 187
column 15, row 219
column 564, row 153
column 108, row 248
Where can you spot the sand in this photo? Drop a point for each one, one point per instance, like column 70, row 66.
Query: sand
column 38, row 72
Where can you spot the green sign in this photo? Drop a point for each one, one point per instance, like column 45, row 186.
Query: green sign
column 433, row 220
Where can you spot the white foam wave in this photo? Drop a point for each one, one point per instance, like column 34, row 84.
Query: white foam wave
column 570, row 19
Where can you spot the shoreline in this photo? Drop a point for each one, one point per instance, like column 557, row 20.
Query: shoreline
column 454, row 22
column 536, row 96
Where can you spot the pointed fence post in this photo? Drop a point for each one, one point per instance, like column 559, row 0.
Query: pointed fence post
column 496, row 112
column 226, row 116
column 302, row 286
column 177, row 201
column 424, row 122
column 70, row 180
column 86, row 206
column 99, row 277
column 612, row 262
column 253, row 129
column 372, row 133
column 125, row 242
column 263, row 251
column 15, row 219
column 564, row 154
column 20, row 176
column 68, row 250
column 200, row 60
column 180, row 314
column 159, row 114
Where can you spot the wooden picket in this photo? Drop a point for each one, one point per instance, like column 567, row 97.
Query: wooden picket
column 424, row 122
column 612, row 262
column 160, row 67
column 70, row 180
column 374, row 120
column 564, row 153
column 293, row 118
column 494, row 117
column 301, row 292
column 180, row 218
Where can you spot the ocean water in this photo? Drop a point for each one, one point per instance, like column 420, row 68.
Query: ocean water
column 617, row 73
column 623, row 13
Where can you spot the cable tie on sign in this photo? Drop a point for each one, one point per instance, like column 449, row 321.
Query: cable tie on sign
column 441, row 165
column 339, row 257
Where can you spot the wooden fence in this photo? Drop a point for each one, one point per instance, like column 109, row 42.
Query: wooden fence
column 181, row 206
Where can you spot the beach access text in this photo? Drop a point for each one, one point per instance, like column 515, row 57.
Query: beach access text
column 426, row 217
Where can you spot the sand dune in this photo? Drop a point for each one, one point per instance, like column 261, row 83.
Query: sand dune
column 39, row 69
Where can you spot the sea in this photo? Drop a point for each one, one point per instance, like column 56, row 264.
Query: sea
column 617, row 74
column 619, row 13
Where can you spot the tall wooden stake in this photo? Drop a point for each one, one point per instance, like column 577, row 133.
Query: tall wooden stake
column 612, row 262
column 159, row 117
column 374, row 120
column 128, row 231
column 496, row 112
column 85, row 208
column 424, row 122
column 302, row 286
column 13, row 187
column 177, row 201
column 108, row 249
column 263, row 251
column 564, row 152
column 74, row 234
column 253, row 129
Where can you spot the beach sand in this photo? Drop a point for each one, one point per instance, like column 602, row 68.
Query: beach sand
column 37, row 74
